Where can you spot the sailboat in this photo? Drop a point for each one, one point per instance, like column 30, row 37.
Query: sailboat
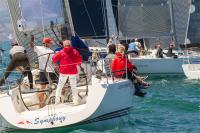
column 105, row 102
column 103, row 99
column 192, row 69
column 156, row 21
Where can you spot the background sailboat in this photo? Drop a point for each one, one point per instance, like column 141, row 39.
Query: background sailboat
column 194, row 29
column 192, row 69
column 155, row 21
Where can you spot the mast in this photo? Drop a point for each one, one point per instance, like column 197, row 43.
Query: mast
column 111, row 23
column 173, row 32
column 106, row 18
column 188, row 22
column 69, row 17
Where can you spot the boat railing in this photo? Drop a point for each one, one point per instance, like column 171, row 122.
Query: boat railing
column 193, row 52
column 105, row 68
column 100, row 69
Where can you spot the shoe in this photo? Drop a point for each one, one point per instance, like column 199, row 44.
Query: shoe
column 140, row 93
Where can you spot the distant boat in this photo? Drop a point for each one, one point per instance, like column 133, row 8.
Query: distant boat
column 156, row 20
column 191, row 71
column 164, row 66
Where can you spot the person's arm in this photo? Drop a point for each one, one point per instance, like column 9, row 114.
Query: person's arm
column 113, row 65
column 78, row 58
column 56, row 57
column 131, row 66
column 157, row 52
column 138, row 46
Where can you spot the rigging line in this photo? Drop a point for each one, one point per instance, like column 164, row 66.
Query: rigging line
column 51, row 37
column 52, row 29
column 20, row 7
column 57, row 26
column 41, row 11
column 89, row 17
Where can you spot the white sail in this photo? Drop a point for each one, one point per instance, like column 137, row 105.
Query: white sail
column 24, row 12
column 5, row 25
column 144, row 19
column 39, row 13
column 154, row 19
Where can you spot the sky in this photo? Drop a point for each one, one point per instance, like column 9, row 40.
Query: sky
column 5, row 27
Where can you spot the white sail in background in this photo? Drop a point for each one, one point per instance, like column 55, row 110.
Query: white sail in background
column 39, row 13
column 5, row 25
column 181, row 9
column 26, row 10
column 154, row 18
column 144, row 19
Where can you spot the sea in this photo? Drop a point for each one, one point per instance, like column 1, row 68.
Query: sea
column 172, row 105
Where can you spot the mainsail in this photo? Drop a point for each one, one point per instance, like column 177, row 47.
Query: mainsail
column 144, row 18
column 39, row 13
column 115, row 10
column 194, row 28
column 181, row 19
column 88, row 18
column 153, row 19
column 37, row 20
column 5, row 23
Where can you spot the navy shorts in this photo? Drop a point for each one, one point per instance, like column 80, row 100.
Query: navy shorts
column 44, row 77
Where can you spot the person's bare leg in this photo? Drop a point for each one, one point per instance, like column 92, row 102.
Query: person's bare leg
column 41, row 96
column 139, row 80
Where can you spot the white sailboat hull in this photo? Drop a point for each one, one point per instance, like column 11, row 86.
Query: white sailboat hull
column 162, row 65
column 104, row 102
column 191, row 71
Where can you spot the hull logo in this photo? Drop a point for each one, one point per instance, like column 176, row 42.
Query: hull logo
column 47, row 120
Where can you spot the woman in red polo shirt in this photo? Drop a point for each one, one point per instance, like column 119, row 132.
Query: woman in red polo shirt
column 119, row 70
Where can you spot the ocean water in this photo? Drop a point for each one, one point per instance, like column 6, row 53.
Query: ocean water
column 172, row 105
